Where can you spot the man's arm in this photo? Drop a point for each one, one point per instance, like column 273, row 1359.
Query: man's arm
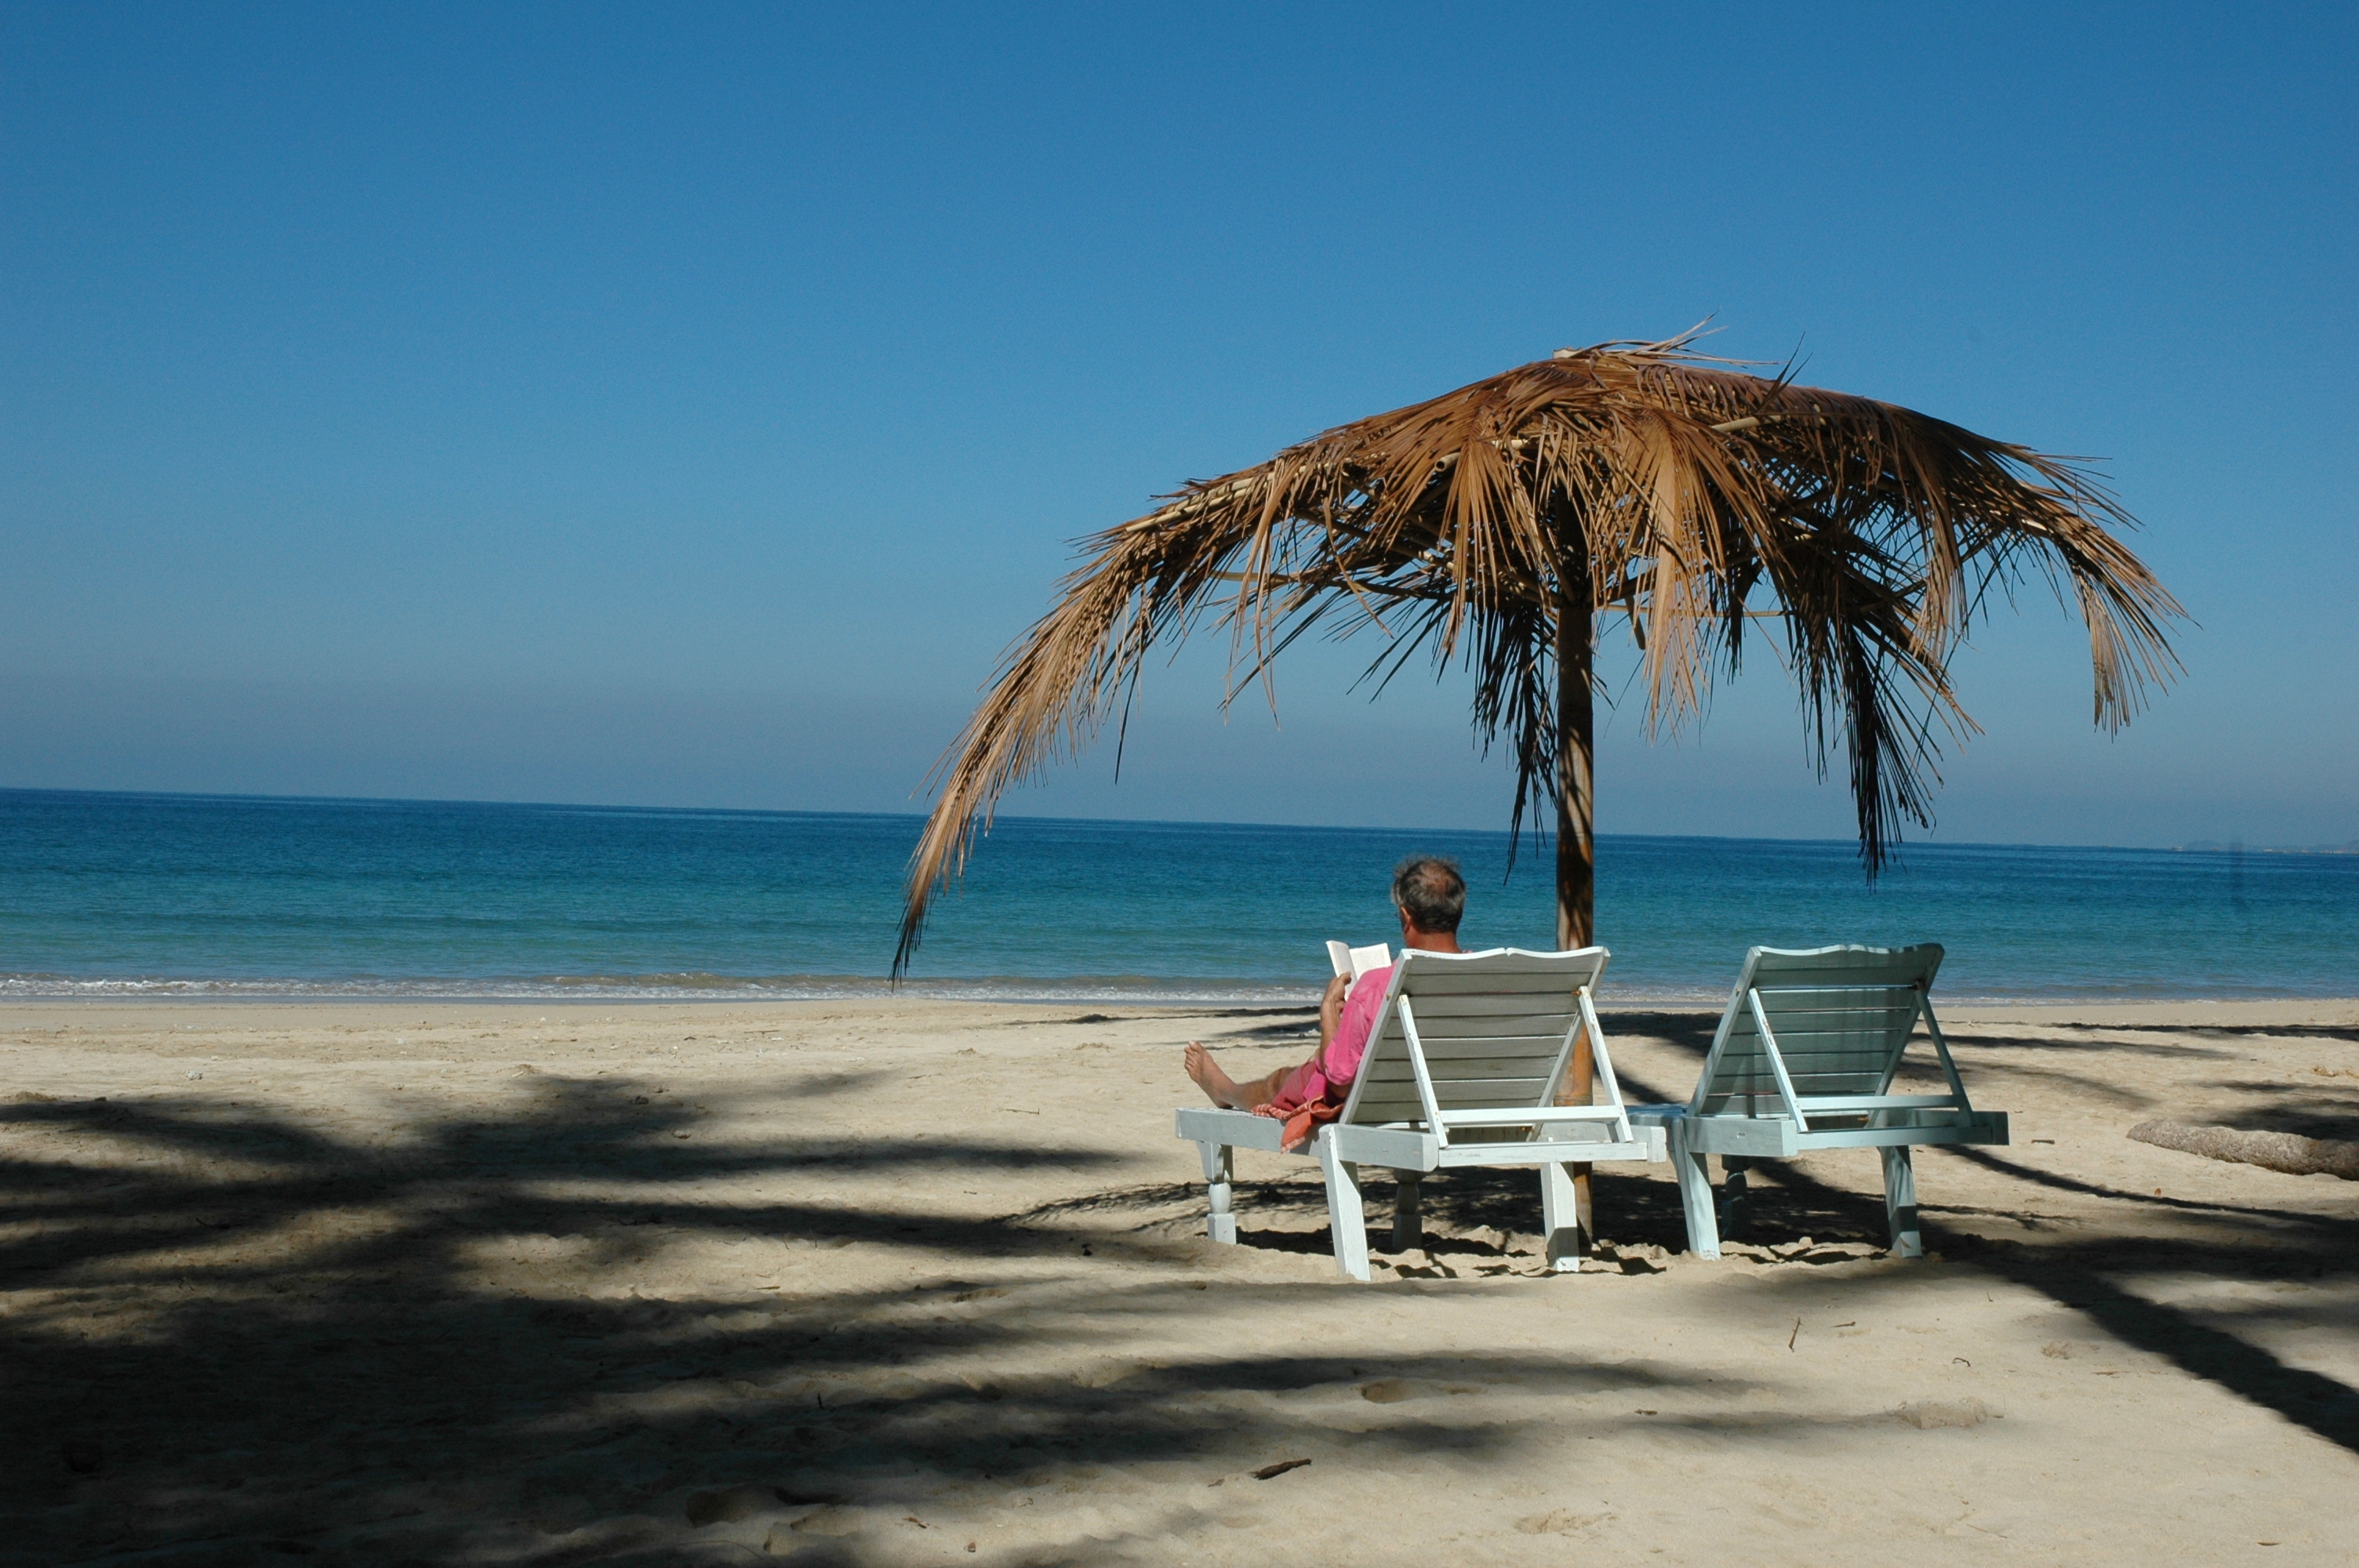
column 1331, row 1012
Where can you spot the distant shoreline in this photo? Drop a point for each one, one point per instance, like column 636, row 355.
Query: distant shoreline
column 2207, row 847
column 911, row 996
column 2194, row 847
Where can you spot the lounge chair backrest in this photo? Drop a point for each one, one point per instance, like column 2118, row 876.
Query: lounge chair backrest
column 1841, row 1018
column 1497, row 1029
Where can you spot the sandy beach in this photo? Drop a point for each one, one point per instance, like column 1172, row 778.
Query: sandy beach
column 891, row 1282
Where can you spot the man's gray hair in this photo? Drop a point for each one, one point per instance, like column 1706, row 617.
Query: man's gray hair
column 1432, row 892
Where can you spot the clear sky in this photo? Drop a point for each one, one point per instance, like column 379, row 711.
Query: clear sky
column 686, row 405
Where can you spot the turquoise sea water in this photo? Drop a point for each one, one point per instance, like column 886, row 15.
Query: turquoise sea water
column 115, row 894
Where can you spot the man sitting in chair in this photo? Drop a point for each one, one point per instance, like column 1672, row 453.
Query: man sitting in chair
column 1430, row 896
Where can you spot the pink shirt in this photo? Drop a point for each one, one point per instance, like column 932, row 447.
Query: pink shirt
column 1358, row 1022
column 1327, row 1077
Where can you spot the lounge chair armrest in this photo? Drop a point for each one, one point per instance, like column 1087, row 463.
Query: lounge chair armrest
column 1238, row 1128
column 1530, row 1116
column 1395, row 1148
column 1646, row 1143
column 1837, row 1104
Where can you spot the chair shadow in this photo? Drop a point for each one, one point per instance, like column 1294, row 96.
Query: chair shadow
column 2084, row 1272
column 2079, row 1272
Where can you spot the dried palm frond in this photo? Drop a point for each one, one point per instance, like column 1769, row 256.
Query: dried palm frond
column 1685, row 493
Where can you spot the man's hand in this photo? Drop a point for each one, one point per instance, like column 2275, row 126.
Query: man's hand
column 1331, row 1008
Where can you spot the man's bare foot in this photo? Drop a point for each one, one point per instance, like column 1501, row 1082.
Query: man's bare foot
column 1209, row 1078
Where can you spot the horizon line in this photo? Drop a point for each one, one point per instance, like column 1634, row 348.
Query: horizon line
column 2200, row 846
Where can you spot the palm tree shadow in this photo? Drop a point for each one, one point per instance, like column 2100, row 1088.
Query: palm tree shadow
column 211, row 1314
column 241, row 1331
column 241, row 1338
column 2342, row 1033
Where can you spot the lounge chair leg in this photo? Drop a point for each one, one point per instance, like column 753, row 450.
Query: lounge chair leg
column 1581, row 1215
column 1347, row 1218
column 1900, row 1201
column 1695, row 1195
column 1219, row 1173
column 1408, row 1225
column 1736, row 1207
column 1561, row 1217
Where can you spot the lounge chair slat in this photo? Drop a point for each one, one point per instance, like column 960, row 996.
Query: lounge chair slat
column 1530, row 1115
column 1556, row 1000
column 1498, row 1026
column 1888, row 1009
column 1827, row 1070
column 1841, row 1104
column 1440, row 1053
column 1827, row 1055
column 1511, row 1088
column 1400, row 1103
column 1516, row 983
column 1799, row 1036
column 1525, row 1064
column 1850, row 1076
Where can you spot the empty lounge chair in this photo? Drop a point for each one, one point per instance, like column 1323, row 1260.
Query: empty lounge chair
column 1804, row 1059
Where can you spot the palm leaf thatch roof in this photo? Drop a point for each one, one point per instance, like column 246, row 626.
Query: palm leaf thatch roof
column 1684, row 493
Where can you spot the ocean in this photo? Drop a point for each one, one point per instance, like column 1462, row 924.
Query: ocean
column 194, row 896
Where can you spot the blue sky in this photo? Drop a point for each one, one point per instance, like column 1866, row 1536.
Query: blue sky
column 686, row 405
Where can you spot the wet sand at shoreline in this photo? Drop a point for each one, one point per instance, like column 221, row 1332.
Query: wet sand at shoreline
column 912, row 1281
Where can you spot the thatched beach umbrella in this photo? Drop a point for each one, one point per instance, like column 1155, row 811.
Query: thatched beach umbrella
column 1496, row 525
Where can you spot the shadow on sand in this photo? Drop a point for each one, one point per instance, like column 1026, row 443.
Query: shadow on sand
column 239, row 1339
column 293, row 1352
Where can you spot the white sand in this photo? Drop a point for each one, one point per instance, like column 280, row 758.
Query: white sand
column 886, row 1284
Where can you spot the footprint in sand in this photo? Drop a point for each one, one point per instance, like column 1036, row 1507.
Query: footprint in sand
column 1926, row 1415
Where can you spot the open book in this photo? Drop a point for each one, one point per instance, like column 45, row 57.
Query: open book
column 1357, row 961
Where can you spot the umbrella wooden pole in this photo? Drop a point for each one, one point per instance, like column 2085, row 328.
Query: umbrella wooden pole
column 1576, row 812
column 1576, row 848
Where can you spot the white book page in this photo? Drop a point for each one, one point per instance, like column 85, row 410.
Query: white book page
column 1357, row 961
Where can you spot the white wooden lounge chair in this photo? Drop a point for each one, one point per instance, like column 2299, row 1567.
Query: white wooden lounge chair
column 1461, row 1068
column 1804, row 1059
